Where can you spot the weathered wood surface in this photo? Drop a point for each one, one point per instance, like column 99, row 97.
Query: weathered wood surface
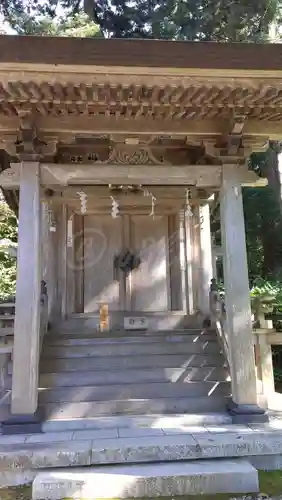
column 79, row 260
column 55, row 174
column 237, row 295
column 62, row 261
column 188, row 247
column 149, row 282
column 205, row 257
column 27, row 321
column 196, row 257
column 102, row 241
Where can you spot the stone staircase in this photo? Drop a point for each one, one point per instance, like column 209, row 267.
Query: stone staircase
column 85, row 374
column 121, row 414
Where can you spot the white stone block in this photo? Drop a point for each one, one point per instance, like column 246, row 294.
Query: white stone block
column 147, row 481
column 135, row 323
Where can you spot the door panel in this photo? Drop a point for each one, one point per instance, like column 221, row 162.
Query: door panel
column 150, row 282
column 102, row 241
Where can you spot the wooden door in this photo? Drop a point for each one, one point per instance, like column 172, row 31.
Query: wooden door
column 102, row 241
column 150, row 282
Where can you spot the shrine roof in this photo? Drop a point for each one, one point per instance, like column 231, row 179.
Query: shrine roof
column 140, row 53
column 138, row 91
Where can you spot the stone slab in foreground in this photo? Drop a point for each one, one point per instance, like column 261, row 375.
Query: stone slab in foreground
column 152, row 480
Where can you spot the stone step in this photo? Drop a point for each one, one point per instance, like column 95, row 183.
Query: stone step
column 104, row 377
column 7, row 317
column 52, row 365
column 131, row 422
column 130, row 349
column 6, row 331
column 87, row 448
column 134, row 391
column 57, row 333
column 147, row 480
column 135, row 407
column 93, row 340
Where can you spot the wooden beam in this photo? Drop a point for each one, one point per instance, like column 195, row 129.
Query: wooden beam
column 251, row 179
column 103, row 192
column 196, row 128
column 190, row 175
column 200, row 176
column 199, row 128
column 102, row 125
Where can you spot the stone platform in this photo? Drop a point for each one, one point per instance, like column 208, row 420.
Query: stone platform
column 148, row 480
column 167, row 439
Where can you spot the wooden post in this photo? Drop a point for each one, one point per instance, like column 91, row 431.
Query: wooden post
column 79, row 259
column 70, row 256
column 244, row 406
column 195, row 241
column 174, row 262
column 186, row 245
column 206, row 257
column 189, row 264
column 125, row 280
column 62, row 260
column 183, row 262
column 27, row 320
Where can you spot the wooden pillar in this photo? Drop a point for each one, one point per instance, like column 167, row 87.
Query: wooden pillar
column 206, row 258
column 78, row 244
column 62, row 260
column 48, row 256
column 196, row 262
column 244, row 406
column 188, row 229
column 27, row 321
column 125, row 280
column 183, row 262
column 186, row 262
column 70, row 256
column 174, row 262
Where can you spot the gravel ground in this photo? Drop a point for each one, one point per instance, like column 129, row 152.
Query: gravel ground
column 25, row 494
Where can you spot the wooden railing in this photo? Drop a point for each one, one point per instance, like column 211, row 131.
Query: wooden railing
column 7, row 316
column 218, row 319
column 265, row 336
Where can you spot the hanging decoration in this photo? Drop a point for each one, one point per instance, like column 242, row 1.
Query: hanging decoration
column 153, row 201
column 115, row 208
column 50, row 218
column 188, row 209
column 83, row 201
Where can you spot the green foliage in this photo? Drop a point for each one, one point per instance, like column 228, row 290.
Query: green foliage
column 220, row 20
column 267, row 292
column 263, row 208
column 77, row 25
column 9, row 233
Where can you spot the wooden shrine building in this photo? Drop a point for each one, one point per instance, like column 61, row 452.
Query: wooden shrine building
column 118, row 149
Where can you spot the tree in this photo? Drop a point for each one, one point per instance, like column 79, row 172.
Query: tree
column 220, row 20
column 9, row 234
column 216, row 20
column 77, row 25
column 263, row 216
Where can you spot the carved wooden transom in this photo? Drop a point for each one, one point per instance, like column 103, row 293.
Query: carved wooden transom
column 133, row 151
